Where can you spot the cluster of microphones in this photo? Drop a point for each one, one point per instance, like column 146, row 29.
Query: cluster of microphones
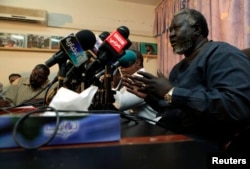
column 84, row 57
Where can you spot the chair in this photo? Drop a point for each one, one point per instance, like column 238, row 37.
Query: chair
column 241, row 141
column 246, row 51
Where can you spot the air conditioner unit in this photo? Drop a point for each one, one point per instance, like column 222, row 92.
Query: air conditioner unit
column 23, row 14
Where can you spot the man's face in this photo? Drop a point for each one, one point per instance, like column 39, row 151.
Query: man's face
column 181, row 35
column 129, row 70
column 37, row 78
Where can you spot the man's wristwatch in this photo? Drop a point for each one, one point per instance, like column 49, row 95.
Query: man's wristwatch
column 168, row 96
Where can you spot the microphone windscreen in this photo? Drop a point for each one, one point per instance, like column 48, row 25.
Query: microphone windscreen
column 86, row 38
column 104, row 35
column 124, row 31
column 127, row 59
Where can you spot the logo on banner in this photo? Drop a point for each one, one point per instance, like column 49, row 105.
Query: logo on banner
column 116, row 41
column 66, row 128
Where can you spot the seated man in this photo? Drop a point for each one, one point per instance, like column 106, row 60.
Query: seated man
column 128, row 102
column 207, row 94
column 28, row 87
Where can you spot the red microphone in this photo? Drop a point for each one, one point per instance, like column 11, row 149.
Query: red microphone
column 117, row 41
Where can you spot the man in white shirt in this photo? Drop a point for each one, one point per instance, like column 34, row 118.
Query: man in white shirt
column 128, row 102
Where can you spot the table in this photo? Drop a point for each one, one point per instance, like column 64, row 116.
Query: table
column 142, row 146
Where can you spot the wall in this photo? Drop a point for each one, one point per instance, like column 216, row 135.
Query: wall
column 67, row 17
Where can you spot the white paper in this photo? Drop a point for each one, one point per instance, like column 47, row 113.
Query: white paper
column 66, row 99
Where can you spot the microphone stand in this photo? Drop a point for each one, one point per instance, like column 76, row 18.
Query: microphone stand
column 104, row 97
column 62, row 73
column 60, row 77
column 108, row 94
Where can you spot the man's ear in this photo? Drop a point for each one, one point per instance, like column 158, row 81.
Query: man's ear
column 197, row 31
column 137, row 62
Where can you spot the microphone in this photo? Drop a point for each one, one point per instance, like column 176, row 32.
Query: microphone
column 117, row 40
column 127, row 60
column 104, row 35
column 74, row 75
column 99, row 40
column 110, row 50
column 74, row 47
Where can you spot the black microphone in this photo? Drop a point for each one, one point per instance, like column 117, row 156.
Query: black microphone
column 99, row 40
column 73, row 48
column 104, row 35
column 111, row 50
column 125, row 61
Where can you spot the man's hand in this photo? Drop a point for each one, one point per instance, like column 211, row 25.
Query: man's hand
column 134, row 86
column 150, row 84
column 4, row 103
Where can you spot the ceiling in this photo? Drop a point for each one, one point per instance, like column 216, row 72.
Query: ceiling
column 145, row 2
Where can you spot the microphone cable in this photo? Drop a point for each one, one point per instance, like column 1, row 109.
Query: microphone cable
column 50, row 95
column 24, row 117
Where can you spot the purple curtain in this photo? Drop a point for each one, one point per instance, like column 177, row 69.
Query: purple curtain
column 228, row 21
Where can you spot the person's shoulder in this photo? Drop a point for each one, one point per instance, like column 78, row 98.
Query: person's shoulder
column 142, row 70
column 224, row 51
column 222, row 48
column 223, row 45
column 21, row 80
